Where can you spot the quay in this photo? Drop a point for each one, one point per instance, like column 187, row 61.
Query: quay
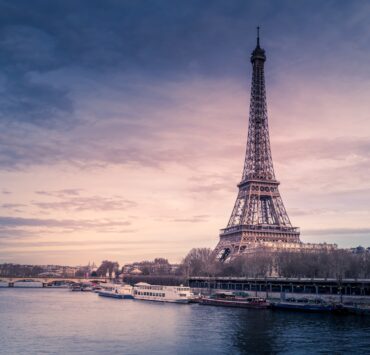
column 340, row 290
column 345, row 290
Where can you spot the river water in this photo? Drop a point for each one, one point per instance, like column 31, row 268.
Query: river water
column 57, row 321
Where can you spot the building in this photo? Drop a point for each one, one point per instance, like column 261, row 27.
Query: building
column 157, row 267
column 259, row 219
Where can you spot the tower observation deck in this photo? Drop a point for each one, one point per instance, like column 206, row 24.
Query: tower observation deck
column 258, row 218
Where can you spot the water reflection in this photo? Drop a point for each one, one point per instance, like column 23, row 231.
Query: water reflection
column 59, row 322
column 259, row 332
column 252, row 332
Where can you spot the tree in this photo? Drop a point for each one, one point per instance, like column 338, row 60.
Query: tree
column 107, row 266
column 199, row 262
column 257, row 264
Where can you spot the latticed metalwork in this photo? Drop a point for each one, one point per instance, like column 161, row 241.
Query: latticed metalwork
column 259, row 215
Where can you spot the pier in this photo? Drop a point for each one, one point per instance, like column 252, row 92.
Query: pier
column 346, row 289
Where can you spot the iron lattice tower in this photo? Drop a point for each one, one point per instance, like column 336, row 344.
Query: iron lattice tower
column 259, row 217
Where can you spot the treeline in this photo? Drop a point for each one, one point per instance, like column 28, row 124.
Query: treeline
column 200, row 262
column 9, row 269
column 325, row 264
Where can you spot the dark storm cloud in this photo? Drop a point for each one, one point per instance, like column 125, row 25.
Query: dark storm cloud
column 55, row 53
column 26, row 50
column 152, row 35
column 93, row 37
column 155, row 37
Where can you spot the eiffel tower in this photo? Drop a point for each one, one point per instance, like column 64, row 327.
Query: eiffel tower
column 259, row 218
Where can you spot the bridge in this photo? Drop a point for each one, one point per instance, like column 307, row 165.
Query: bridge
column 11, row 280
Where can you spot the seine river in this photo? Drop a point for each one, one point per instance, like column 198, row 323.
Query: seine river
column 40, row 321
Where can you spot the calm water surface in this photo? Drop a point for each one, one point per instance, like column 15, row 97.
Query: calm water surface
column 40, row 321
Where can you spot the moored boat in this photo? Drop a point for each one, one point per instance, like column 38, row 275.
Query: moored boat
column 76, row 287
column 82, row 287
column 160, row 293
column 57, row 286
column 87, row 288
column 225, row 299
column 121, row 292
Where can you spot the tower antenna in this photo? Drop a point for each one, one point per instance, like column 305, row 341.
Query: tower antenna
column 258, row 36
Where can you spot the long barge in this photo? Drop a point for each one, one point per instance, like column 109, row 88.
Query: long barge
column 249, row 302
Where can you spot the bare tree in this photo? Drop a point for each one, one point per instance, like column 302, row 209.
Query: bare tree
column 107, row 266
column 199, row 262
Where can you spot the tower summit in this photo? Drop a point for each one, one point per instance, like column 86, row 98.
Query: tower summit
column 259, row 218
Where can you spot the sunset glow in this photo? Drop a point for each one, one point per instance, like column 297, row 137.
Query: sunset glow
column 125, row 139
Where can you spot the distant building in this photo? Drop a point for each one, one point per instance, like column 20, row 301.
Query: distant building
column 158, row 266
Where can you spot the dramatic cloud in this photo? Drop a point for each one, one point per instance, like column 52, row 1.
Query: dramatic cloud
column 12, row 222
column 70, row 199
column 137, row 111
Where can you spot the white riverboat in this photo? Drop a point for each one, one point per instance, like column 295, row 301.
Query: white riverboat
column 159, row 293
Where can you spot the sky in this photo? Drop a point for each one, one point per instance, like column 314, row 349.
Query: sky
column 123, row 124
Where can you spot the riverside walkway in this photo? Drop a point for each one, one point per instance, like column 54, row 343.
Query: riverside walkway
column 292, row 287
